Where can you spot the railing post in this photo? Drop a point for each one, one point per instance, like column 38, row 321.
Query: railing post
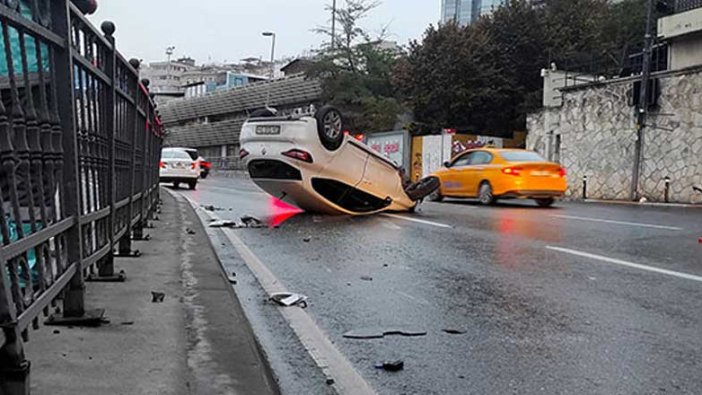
column 106, row 267
column 74, row 298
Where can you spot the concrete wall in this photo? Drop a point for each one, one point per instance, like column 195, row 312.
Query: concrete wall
column 597, row 133
column 686, row 52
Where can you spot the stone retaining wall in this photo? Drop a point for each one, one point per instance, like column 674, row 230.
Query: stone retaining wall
column 597, row 129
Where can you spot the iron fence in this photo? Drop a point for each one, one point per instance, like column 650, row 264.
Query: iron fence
column 79, row 148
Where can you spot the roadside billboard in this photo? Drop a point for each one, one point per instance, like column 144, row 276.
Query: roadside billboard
column 392, row 145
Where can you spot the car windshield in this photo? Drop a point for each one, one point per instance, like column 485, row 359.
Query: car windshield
column 193, row 154
column 174, row 154
column 521, row 156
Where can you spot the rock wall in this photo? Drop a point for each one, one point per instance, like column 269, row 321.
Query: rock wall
column 597, row 129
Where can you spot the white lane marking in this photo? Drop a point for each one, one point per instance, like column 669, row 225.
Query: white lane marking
column 419, row 221
column 328, row 358
column 607, row 221
column 627, row 264
column 390, row 225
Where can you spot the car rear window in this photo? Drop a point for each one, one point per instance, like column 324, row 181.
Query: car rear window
column 174, row 154
column 521, row 156
column 193, row 154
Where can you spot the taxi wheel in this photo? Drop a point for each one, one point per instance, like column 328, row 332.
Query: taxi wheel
column 436, row 196
column 548, row 202
column 192, row 185
column 485, row 194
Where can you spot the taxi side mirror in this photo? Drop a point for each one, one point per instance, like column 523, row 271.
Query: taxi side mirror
column 447, row 164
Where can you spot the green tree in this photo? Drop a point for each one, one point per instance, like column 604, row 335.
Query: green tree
column 356, row 72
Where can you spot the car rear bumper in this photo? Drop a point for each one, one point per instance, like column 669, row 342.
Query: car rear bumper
column 532, row 194
column 177, row 179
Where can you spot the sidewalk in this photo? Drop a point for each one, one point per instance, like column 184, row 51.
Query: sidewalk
column 196, row 342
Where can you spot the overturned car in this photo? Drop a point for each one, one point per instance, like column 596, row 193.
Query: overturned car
column 309, row 161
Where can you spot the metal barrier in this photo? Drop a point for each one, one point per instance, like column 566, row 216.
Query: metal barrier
column 79, row 149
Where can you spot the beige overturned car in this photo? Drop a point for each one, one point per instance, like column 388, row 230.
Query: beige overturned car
column 309, row 161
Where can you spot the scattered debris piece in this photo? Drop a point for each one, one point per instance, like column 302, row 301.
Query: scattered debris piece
column 451, row 331
column 391, row 366
column 157, row 297
column 232, row 278
column 330, row 381
column 189, row 231
column 366, row 278
column 375, row 333
column 385, row 265
column 288, row 299
column 56, row 331
column 127, row 323
column 224, row 224
column 252, row 222
column 213, row 208
column 307, row 239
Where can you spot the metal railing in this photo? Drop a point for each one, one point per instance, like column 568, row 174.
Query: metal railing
column 79, row 148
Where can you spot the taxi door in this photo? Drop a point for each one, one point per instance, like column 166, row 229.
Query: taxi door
column 453, row 180
column 477, row 170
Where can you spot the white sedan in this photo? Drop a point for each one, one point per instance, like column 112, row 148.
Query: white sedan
column 178, row 166
column 310, row 162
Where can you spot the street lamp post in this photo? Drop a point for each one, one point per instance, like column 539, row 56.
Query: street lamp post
column 169, row 53
column 268, row 94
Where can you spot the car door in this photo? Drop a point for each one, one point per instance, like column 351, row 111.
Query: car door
column 477, row 171
column 453, row 181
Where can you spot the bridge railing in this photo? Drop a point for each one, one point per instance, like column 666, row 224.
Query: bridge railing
column 79, row 151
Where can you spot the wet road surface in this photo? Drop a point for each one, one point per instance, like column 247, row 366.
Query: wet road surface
column 579, row 299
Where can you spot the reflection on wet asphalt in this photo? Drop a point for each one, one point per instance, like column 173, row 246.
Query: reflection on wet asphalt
column 535, row 320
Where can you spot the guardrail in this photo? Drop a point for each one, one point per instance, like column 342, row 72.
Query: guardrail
column 79, row 148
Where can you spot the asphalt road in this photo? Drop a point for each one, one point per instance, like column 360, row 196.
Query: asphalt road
column 579, row 299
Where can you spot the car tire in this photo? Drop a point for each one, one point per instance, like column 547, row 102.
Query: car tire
column 203, row 175
column 330, row 127
column 176, row 185
column 192, row 185
column 262, row 113
column 485, row 194
column 545, row 203
column 423, row 188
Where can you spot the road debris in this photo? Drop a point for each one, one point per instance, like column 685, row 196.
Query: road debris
column 375, row 333
column 213, row 208
column 224, row 224
column 451, row 331
column 189, row 231
column 307, row 239
column 288, row 299
column 56, row 331
column 157, row 297
column 232, row 278
column 391, row 366
column 252, row 222
column 126, row 323
column 366, row 278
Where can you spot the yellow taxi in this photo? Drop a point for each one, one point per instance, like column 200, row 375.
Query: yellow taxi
column 490, row 174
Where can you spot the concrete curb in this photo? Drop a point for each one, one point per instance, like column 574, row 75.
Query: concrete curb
column 646, row 204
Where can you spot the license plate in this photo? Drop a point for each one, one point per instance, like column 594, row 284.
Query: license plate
column 268, row 129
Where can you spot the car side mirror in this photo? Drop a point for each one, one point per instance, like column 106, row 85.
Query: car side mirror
column 447, row 164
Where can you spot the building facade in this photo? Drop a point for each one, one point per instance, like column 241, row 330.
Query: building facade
column 465, row 12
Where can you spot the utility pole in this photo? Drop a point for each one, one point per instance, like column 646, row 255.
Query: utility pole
column 169, row 53
column 272, row 73
column 333, row 30
column 642, row 111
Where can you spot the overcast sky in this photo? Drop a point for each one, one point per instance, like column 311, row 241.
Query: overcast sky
column 230, row 30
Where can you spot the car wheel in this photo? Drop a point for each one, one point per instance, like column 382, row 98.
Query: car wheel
column 330, row 127
column 262, row 113
column 176, row 185
column 423, row 188
column 485, row 195
column 203, row 175
column 192, row 185
column 548, row 202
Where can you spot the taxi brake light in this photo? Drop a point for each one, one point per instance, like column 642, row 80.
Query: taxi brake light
column 512, row 171
column 562, row 172
column 193, row 165
column 299, row 155
column 162, row 164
